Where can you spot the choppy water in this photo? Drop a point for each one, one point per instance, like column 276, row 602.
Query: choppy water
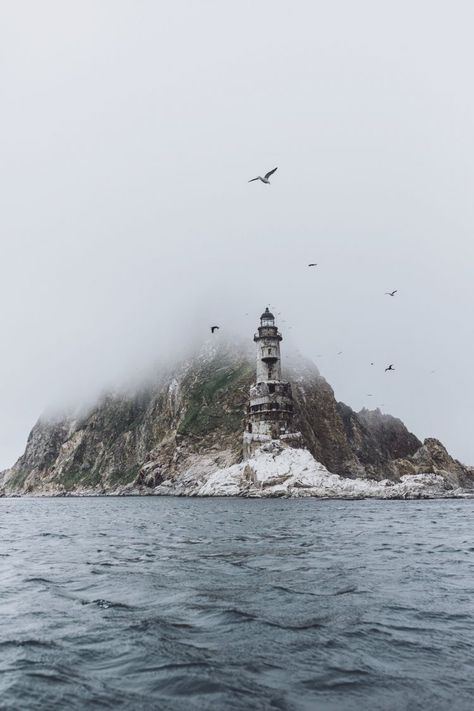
column 162, row 603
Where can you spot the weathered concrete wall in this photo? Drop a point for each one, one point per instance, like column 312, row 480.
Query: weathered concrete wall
column 270, row 410
column 268, row 358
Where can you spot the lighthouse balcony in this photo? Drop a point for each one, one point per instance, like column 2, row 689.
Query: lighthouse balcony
column 268, row 332
column 264, row 408
column 270, row 415
column 270, row 359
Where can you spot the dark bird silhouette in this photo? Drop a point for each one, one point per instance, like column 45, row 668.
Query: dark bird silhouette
column 313, row 264
column 372, row 364
column 214, row 328
column 339, row 353
column 391, row 293
column 389, row 367
column 265, row 178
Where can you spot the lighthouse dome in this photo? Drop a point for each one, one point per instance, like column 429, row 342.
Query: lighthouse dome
column 267, row 314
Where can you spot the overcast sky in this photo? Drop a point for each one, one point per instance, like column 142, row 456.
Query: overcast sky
column 129, row 130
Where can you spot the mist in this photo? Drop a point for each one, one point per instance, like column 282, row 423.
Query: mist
column 129, row 131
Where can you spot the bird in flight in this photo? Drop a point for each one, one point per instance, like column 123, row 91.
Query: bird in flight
column 391, row 293
column 370, row 395
column 313, row 264
column 214, row 328
column 389, row 367
column 339, row 353
column 265, row 178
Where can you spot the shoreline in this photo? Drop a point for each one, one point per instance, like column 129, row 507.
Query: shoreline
column 415, row 497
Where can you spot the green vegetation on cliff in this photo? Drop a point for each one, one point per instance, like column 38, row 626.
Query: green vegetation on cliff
column 211, row 400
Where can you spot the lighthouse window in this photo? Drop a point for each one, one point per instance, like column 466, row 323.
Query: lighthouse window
column 269, row 351
column 271, row 388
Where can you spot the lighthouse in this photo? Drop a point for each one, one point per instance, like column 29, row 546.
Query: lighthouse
column 270, row 409
column 268, row 340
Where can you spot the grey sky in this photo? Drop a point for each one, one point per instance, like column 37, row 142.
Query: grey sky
column 128, row 133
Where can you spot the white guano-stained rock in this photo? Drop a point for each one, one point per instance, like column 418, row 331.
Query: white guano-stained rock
column 276, row 470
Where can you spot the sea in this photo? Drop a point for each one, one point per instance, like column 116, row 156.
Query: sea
column 236, row 604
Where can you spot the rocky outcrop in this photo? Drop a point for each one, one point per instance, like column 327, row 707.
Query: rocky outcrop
column 185, row 426
column 433, row 457
column 133, row 438
column 277, row 470
column 352, row 444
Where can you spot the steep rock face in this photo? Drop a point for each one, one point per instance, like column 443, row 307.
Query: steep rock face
column 348, row 443
column 377, row 440
column 193, row 409
column 187, row 423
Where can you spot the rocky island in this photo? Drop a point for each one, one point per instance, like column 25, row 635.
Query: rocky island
column 195, row 431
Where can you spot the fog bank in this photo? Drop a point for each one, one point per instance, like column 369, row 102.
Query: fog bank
column 128, row 227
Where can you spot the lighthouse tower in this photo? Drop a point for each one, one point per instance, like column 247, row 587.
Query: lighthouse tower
column 268, row 349
column 270, row 410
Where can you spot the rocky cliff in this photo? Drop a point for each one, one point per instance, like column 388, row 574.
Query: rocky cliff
column 174, row 434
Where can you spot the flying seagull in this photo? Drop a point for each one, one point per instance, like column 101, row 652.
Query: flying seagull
column 214, row 328
column 339, row 353
column 313, row 264
column 391, row 293
column 389, row 367
column 265, row 179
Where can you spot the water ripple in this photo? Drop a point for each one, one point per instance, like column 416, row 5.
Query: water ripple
column 232, row 604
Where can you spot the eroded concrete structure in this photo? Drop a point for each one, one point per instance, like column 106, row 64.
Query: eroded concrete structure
column 270, row 410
